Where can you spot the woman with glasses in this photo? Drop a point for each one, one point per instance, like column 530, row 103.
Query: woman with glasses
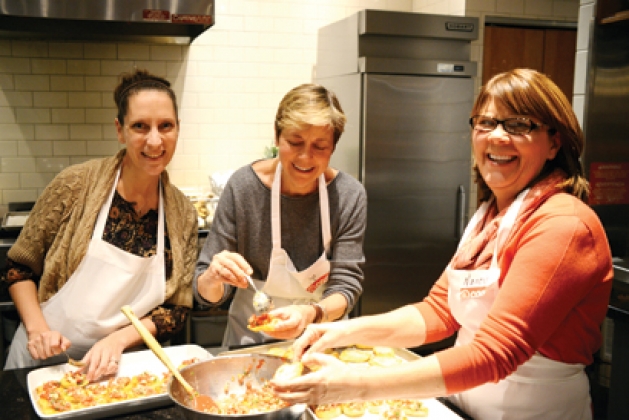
column 526, row 291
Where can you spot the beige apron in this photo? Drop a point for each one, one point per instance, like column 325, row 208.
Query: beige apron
column 87, row 307
column 284, row 283
column 541, row 388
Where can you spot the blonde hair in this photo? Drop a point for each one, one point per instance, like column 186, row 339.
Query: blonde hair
column 528, row 92
column 310, row 104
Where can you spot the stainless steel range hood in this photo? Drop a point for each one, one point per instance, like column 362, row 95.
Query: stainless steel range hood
column 160, row 21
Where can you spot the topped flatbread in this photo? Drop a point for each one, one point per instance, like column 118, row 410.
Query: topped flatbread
column 289, row 371
column 263, row 322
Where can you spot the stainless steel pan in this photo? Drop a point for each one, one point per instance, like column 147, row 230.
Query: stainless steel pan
column 214, row 376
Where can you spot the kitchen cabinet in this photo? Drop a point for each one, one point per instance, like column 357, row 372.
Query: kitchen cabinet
column 550, row 51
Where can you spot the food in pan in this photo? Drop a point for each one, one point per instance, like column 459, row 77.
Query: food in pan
column 277, row 351
column 380, row 356
column 412, row 408
column 354, row 355
column 393, row 413
column 254, row 400
column 252, row 395
column 363, row 346
column 328, row 411
column 73, row 392
column 74, row 379
column 383, row 351
column 354, row 409
column 375, row 406
column 263, row 322
column 384, row 361
column 283, row 352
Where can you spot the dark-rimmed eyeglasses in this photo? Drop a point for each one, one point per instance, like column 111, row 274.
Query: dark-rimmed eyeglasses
column 515, row 125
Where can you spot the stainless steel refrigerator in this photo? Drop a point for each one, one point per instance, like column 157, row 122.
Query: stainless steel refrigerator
column 606, row 125
column 405, row 83
column 606, row 161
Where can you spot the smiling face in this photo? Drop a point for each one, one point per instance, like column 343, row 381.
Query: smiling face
column 507, row 162
column 150, row 132
column 305, row 154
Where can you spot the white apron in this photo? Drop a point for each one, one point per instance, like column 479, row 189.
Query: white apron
column 541, row 388
column 87, row 307
column 284, row 283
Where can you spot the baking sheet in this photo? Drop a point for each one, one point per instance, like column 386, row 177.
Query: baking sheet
column 14, row 220
column 131, row 364
column 436, row 409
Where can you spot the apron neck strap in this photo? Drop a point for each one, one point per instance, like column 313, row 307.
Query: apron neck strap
column 505, row 225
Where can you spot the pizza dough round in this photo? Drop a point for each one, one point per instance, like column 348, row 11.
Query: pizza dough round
column 414, row 408
column 383, row 351
column 384, row 361
column 376, row 406
column 289, row 371
column 328, row 411
column 277, row 351
column 354, row 409
column 353, row 355
column 264, row 322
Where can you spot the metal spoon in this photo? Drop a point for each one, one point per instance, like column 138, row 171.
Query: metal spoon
column 261, row 301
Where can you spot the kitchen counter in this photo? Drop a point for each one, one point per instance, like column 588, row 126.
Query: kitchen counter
column 14, row 391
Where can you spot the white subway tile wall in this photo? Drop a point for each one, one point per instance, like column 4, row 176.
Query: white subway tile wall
column 56, row 97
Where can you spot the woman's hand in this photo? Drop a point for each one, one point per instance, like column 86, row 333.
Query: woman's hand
column 319, row 337
column 103, row 358
column 44, row 344
column 329, row 383
column 227, row 267
column 294, row 320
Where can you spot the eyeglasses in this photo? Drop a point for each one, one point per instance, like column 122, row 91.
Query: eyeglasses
column 515, row 125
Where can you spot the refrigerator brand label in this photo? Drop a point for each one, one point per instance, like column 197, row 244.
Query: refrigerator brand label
column 609, row 183
column 459, row 26
column 450, row 68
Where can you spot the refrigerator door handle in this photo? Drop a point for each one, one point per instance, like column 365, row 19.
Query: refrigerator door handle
column 460, row 217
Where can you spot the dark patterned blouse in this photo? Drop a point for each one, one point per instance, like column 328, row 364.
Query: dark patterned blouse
column 138, row 236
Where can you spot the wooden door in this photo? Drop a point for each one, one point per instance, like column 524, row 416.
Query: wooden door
column 507, row 48
column 550, row 51
column 559, row 55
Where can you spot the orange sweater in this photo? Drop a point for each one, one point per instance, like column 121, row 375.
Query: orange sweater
column 556, row 277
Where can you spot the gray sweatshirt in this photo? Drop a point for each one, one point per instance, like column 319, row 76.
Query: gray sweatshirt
column 242, row 224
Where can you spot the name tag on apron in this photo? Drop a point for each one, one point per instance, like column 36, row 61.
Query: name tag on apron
column 475, row 284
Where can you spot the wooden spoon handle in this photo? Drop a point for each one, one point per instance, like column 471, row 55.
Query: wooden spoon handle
column 152, row 343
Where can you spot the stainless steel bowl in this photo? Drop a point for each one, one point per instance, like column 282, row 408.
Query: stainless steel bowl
column 212, row 377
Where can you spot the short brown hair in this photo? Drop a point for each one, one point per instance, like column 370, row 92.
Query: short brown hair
column 529, row 92
column 310, row 104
